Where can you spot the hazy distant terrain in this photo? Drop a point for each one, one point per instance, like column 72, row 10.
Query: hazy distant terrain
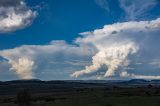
column 82, row 93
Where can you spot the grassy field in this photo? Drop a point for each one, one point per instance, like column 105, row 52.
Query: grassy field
column 93, row 97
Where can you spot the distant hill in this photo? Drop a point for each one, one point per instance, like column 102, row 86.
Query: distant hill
column 36, row 85
column 77, row 82
column 138, row 81
column 23, row 81
column 155, row 81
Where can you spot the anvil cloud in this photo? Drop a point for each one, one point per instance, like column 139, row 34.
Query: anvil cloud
column 118, row 46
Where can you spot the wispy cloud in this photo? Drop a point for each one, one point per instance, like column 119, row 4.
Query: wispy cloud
column 135, row 9
column 103, row 4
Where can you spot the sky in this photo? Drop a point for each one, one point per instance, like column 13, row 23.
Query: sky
column 79, row 39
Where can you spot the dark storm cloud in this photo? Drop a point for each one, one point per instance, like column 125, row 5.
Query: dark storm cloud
column 10, row 2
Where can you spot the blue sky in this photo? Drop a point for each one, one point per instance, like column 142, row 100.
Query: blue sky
column 61, row 20
column 57, row 39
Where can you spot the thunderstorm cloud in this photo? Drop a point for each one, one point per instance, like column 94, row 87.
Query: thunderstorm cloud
column 119, row 47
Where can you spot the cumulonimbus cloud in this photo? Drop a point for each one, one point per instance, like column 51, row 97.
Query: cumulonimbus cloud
column 113, row 57
column 116, row 43
column 117, row 46
column 25, row 60
column 15, row 14
column 23, row 67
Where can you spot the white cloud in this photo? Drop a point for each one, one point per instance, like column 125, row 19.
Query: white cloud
column 23, row 67
column 113, row 57
column 145, row 76
column 117, row 43
column 26, row 60
column 14, row 14
column 125, row 74
column 155, row 63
